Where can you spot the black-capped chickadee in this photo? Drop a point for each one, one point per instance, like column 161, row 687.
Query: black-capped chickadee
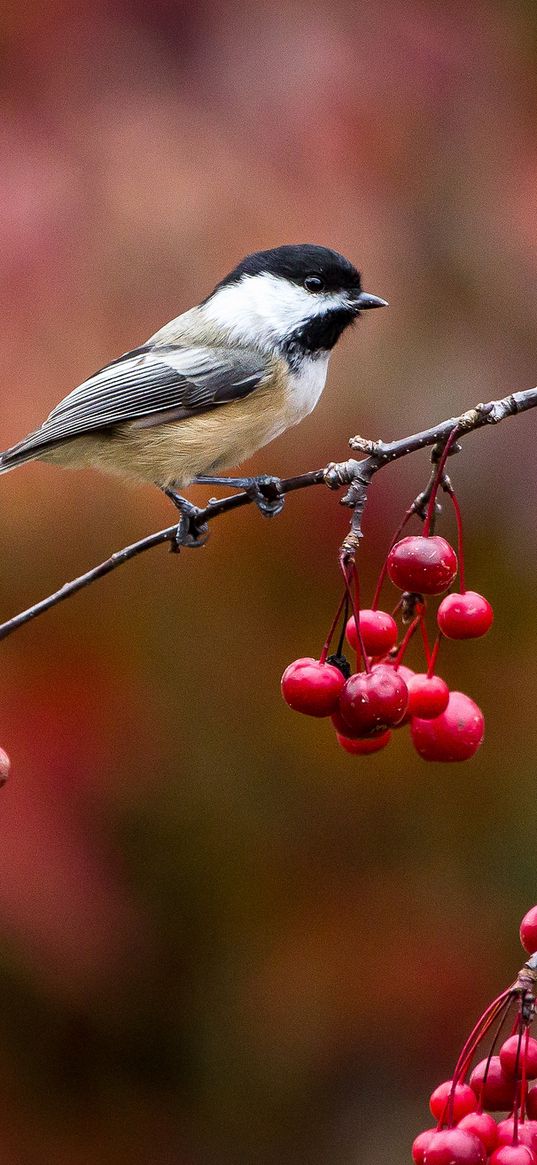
column 215, row 384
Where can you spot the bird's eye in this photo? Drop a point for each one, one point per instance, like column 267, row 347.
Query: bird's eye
column 314, row 283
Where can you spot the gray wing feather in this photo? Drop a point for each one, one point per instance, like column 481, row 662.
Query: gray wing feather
column 174, row 382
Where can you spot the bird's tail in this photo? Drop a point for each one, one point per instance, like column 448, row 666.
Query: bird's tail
column 18, row 454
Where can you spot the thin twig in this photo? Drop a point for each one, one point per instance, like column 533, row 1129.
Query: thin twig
column 357, row 475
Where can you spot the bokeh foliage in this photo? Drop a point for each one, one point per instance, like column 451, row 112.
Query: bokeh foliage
column 223, row 939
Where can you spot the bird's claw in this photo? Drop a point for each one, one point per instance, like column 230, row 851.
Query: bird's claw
column 265, row 490
column 265, row 493
column 188, row 533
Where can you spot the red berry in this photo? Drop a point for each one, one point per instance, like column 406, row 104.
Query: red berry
column 406, row 673
column 5, row 765
column 465, row 616
column 375, row 699
column 464, row 1101
column 482, row 1125
column 312, row 687
column 527, row 1132
column 512, row 1155
column 508, row 1057
column 401, row 669
column 453, row 736
column 425, row 565
column 342, row 729
column 379, row 632
column 528, row 931
column 420, row 1145
column 498, row 1092
column 361, row 746
column 428, row 696
column 454, row 1147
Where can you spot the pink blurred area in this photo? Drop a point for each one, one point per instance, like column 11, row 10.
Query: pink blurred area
column 224, row 940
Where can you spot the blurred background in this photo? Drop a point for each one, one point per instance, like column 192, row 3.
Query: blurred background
column 223, row 940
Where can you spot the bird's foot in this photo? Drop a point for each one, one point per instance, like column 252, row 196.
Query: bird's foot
column 264, row 490
column 188, row 532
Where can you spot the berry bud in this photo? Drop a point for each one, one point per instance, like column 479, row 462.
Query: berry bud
column 375, row 699
column 425, row 565
column 312, row 687
column 342, row 664
column 464, row 616
column 455, row 735
column 378, row 629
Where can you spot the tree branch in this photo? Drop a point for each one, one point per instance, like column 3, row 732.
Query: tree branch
column 357, row 475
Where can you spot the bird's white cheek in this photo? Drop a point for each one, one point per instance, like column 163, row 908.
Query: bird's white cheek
column 260, row 310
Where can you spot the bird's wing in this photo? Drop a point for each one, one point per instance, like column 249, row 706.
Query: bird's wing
column 153, row 386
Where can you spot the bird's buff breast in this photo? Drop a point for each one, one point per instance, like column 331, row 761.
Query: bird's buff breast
column 176, row 452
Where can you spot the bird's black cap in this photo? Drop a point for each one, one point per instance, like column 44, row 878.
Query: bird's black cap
column 296, row 262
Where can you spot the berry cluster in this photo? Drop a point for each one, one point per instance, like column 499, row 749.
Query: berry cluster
column 466, row 1132
column 383, row 693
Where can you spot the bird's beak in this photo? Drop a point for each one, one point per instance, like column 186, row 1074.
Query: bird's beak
column 364, row 299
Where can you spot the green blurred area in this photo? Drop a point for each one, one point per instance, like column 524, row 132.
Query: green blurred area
column 223, row 939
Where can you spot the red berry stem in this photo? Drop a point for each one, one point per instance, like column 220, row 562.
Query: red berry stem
column 460, row 551
column 472, row 1043
column 496, row 1037
column 380, row 581
column 426, row 644
column 434, row 655
column 330, row 636
column 479, row 1031
column 518, row 1094
column 409, row 513
column 355, row 600
column 406, row 640
column 439, row 475
column 523, row 1085
column 341, row 640
column 354, row 596
column 382, row 575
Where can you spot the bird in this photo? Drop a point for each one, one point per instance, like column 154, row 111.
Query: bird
column 215, row 384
